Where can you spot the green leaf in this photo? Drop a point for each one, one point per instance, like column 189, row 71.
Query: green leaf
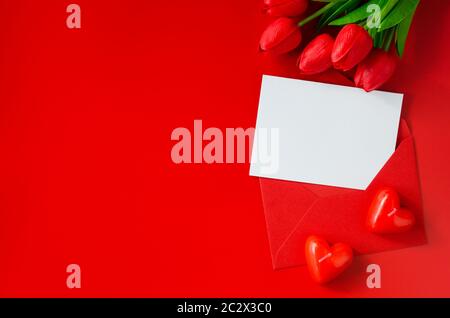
column 359, row 14
column 390, row 4
column 342, row 8
column 400, row 12
column 402, row 33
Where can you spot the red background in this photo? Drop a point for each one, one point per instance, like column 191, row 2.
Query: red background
column 85, row 170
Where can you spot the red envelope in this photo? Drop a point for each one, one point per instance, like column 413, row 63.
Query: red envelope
column 296, row 210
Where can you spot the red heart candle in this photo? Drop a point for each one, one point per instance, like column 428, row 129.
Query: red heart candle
column 325, row 263
column 386, row 215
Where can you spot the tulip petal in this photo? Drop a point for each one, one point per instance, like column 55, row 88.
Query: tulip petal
column 281, row 36
column 376, row 70
column 316, row 57
column 352, row 45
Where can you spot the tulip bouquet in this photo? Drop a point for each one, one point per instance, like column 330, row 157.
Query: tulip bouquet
column 371, row 39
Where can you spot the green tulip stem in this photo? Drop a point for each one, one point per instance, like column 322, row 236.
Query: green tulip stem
column 316, row 14
column 388, row 40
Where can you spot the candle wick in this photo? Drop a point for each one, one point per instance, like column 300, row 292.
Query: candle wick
column 325, row 257
column 392, row 212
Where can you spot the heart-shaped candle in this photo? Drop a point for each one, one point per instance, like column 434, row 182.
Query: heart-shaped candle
column 326, row 262
column 386, row 215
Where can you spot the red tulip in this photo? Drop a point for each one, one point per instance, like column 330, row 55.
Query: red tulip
column 316, row 57
column 285, row 8
column 281, row 36
column 352, row 45
column 375, row 70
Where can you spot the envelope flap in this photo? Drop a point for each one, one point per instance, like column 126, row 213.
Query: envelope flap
column 285, row 204
column 401, row 173
column 403, row 131
column 326, row 191
column 340, row 218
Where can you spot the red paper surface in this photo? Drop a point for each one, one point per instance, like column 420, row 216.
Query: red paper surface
column 85, row 170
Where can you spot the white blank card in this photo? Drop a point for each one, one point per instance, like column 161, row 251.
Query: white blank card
column 325, row 134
